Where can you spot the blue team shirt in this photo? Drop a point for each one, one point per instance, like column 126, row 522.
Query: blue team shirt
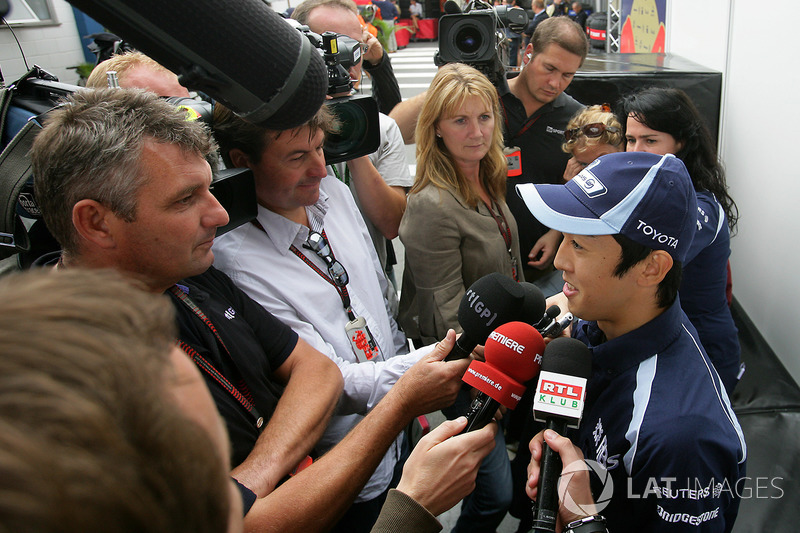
column 658, row 418
column 705, row 276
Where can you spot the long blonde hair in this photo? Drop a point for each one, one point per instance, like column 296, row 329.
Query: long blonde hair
column 452, row 85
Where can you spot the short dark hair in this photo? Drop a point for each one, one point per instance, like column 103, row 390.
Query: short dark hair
column 90, row 436
column 562, row 31
column 232, row 131
column 634, row 253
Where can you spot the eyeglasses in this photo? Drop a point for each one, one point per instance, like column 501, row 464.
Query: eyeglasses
column 590, row 130
column 317, row 243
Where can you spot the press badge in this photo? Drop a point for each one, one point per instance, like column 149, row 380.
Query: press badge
column 514, row 161
column 364, row 346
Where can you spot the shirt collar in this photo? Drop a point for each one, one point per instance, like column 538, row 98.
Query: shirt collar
column 284, row 232
column 627, row 351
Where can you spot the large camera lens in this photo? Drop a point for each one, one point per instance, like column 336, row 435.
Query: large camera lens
column 353, row 123
column 359, row 131
column 469, row 39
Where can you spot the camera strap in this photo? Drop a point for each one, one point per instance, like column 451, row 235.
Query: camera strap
column 209, row 368
column 346, row 179
column 15, row 170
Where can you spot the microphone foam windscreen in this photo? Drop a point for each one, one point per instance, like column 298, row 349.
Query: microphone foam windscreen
column 516, row 350
column 491, row 301
column 568, row 356
column 533, row 305
column 238, row 51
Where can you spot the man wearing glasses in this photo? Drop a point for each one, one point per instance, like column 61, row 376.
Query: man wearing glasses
column 308, row 259
column 341, row 16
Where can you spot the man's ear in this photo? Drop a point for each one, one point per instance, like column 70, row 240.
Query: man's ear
column 239, row 158
column 656, row 267
column 90, row 219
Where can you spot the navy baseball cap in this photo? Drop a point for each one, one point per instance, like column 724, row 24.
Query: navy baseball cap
column 646, row 197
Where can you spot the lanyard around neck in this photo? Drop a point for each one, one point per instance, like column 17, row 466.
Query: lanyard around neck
column 205, row 365
column 505, row 232
column 341, row 290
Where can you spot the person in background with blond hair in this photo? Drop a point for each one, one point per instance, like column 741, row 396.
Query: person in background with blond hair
column 456, row 229
column 592, row 132
column 136, row 70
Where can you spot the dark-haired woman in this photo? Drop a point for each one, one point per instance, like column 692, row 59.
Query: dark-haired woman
column 663, row 121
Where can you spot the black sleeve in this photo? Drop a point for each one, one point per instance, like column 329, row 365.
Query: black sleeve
column 385, row 89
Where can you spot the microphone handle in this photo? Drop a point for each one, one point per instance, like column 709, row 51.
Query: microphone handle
column 546, row 510
column 462, row 348
column 481, row 412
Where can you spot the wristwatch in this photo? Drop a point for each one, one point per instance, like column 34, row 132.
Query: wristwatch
column 588, row 524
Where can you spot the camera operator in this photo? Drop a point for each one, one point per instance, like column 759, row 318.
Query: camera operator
column 379, row 181
column 536, row 112
column 334, row 15
column 308, row 259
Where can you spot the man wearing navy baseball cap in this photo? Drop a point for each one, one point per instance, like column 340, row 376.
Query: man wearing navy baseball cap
column 657, row 417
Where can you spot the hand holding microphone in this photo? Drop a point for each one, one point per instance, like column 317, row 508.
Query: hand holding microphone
column 513, row 357
column 566, row 367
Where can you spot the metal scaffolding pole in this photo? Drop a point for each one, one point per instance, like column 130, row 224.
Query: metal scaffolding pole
column 613, row 25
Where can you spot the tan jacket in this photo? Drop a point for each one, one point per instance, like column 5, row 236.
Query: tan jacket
column 449, row 246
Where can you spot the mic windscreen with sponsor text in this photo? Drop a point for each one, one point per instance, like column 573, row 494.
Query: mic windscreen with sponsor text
column 491, row 301
column 560, row 393
column 513, row 355
column 240, row 52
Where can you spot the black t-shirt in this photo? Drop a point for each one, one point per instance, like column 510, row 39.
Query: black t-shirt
column 258, row 344
column 542, row 159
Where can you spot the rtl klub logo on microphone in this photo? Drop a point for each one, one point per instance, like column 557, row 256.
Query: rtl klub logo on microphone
column 560, row 395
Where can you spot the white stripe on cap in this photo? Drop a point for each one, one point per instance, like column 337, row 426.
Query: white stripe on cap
column 557, row 220
column 617, row 216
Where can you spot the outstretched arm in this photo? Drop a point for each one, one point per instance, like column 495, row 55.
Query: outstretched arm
column 405, row 114
column 383, row 205
column 316, row 497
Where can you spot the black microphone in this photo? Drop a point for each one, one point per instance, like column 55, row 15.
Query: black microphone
column 566, row 366
column 513, row 357
column 549, row 316
column 240, row 52
column 491, row 301
column 533, row 305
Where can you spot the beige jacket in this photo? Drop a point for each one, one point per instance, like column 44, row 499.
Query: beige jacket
column 449, row 246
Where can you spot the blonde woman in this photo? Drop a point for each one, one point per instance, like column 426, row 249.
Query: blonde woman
column 592, row 132
column 456, row 229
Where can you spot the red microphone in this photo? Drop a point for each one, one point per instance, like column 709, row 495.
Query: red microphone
column 513, row 355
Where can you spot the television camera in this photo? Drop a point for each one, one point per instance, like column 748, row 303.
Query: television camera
column 475, row 36
column 24, row 103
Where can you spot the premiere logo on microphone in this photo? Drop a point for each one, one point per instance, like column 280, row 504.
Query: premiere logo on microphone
column 507, row 342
